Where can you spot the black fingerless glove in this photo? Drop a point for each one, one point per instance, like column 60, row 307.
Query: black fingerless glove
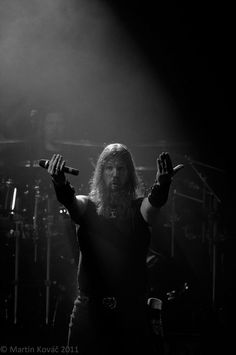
column 65, row 193
column 158, row 195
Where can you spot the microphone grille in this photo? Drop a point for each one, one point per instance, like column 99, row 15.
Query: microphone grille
column 43, row 163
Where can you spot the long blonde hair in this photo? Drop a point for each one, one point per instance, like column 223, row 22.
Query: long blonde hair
column 98, row 191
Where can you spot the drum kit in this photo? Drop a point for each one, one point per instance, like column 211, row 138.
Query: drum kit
column 37, row 237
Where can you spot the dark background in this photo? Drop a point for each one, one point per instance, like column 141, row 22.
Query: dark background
column 187, row 49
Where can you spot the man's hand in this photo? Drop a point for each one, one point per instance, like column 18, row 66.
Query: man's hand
column 55, row 169
column 165, row 169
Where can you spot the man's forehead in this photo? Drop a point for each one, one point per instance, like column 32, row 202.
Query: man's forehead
column 115, row 161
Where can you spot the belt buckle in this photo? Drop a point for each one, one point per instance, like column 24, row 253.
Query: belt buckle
column 109, row 302
column 82, row 299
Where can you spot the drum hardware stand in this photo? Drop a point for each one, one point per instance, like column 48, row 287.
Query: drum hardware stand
column 212, row 220
column 17, row 234
column 173, row 216
column 173, row 219
column 48, row 269
column 58, row 300
column 6, row 308
column 35, row 224
column 8, row 184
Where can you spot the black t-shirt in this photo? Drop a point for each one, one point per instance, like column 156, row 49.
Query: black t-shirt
column 113, row 253
column 113, row 250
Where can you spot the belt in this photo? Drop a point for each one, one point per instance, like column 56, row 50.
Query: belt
column 109, row 302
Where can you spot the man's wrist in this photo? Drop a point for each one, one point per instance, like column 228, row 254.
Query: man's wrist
column 159, row 194
column 59, row 183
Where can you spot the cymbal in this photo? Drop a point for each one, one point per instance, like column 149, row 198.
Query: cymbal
column 11, row 141
column 162, row 144
column 81, row 143
column 21, row 164
column 146, row 168
column 28, row 164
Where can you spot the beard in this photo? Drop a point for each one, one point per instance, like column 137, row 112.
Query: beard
column 115, row 202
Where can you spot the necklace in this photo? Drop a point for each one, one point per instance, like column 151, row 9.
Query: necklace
column 113, row 213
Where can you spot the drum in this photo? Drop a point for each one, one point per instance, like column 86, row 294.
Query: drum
column 8, row 196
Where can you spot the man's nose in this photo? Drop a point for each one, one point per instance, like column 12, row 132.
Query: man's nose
column 115, row 171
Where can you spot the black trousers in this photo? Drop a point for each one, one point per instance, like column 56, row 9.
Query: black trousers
column 102, row 328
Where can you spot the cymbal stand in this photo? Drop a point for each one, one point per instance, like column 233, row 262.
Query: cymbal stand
column 173, row 215
column 173, row 220
column 213, row 224
column 214, row 231
column 17, row 234
column 8, row 183
column 35, row 222
column 48, row 268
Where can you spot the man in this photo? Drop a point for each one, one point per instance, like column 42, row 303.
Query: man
column 110, row 312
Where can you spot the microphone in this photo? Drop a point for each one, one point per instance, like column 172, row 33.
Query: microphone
column 177, row 168
column 44, row 163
